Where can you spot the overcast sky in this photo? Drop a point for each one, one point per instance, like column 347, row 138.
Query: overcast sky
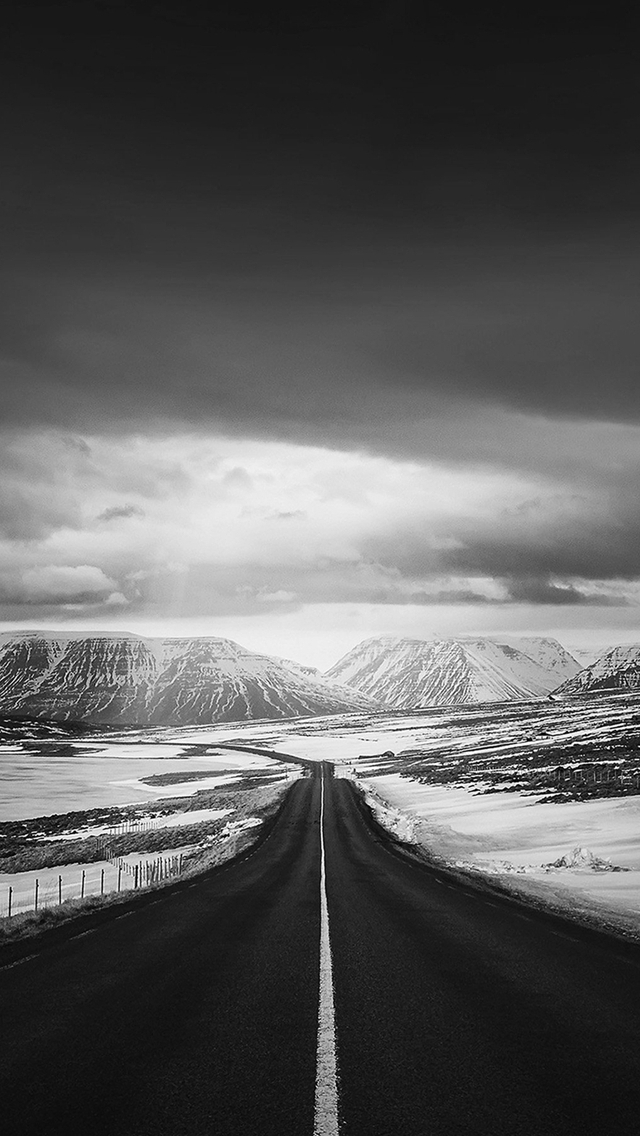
column 320, row 323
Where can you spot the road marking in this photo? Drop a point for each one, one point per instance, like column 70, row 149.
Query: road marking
column 18, row 962
column 326, row 1106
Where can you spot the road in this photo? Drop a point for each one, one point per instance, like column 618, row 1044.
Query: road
column 196, row 1011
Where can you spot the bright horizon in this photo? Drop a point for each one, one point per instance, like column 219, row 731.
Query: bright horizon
column 324, row 642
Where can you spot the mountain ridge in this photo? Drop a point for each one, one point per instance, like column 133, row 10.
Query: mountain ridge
column 411, row 673
column 616, row 669
column 135, row 680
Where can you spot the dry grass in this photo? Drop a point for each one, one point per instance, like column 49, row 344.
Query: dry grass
column 263, row 803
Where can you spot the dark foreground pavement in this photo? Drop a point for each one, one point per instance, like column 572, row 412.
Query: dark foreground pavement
column 456, row 1013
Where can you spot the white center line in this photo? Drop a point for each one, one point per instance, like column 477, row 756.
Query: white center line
column 18, row 962
column 326, row 1107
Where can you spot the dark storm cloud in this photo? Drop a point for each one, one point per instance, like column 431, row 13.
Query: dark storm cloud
column 599, row 544
column 559, row 336
column 323, row 363
column 317, row 222
column 121, row 512
column 538, row 590
column 368, row 226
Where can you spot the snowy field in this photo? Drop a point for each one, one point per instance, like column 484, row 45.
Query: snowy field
column 92, row 796
column 23, row 884
column 164, row 820
column 514, row 836
column 509, row 729
column 37, row 783
column 100, row 876
column 36, row 779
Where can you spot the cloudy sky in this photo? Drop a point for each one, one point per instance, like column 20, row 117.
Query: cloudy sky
column 319, row 322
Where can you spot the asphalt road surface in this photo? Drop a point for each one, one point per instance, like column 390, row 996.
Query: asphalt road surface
column 196, row 1011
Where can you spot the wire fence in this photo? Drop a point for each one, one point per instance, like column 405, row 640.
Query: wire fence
column 34, row 890
column 51, row 887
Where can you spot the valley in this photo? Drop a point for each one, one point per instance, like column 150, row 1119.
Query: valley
column 514, row 767
column 116, row 749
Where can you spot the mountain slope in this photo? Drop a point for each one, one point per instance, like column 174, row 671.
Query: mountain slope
column 24, row 660
column 127, row 680
column 218, row 680
column 415, row 673
column 618, row 669
column 99, row 678
column 546, row 652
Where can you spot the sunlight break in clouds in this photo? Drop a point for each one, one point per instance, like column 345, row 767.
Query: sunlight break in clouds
column 209, row 530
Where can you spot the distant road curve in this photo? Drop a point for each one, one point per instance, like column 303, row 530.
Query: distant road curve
column 196, row 1011
column 274, row 754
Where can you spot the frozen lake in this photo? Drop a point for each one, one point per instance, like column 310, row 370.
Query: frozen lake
column 36, row 784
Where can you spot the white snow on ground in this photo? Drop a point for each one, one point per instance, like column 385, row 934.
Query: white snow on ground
column 132, row 750
column 221, row 759
column 196, row 816
column 330, row 737
column 508, row 835
column 171, row 820
column 345, row 745
column 394, row 820
column 504, row 727
column 38, row 784
column 500, row 833
column 23, row 883
column 176, row 789
column 505, row 834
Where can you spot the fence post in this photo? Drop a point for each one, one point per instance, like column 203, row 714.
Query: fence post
column 102, row 882
column 59, row 890
column 35, row 907
column 10, row 899
column 135, row 879
column 82, row 886
column 119, row 874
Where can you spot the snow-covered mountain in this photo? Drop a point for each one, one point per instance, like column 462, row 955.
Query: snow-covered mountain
column 128, row 680
column 618, row 669
column 547, row 653
column 303, row 668
column 24, row 659
column 414, row 673
column 587, row 655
